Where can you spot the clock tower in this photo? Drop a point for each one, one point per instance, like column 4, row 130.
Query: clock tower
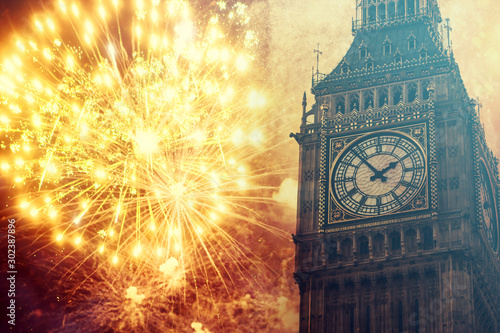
column 399, row 195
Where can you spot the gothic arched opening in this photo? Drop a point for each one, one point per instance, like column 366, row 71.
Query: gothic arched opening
column 368, row 99
column 401, row 8
column 332, row 252
column 381, row 12
column 363, row 247
column 378, row 245
column 372, row 14
column 346, row 247
column 395, row 241
column 354, row 102
column 411, row 241
column 428, row 239
column 397, row 94
column 412, row 92
column 391, row 10
column 382, row 97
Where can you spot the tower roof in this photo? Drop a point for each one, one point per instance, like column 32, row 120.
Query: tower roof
column 395, row 44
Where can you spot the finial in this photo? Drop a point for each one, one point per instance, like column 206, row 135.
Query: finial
column 304, row 99
column 318, row 53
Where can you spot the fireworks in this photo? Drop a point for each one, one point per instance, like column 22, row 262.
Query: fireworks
column 129, row 129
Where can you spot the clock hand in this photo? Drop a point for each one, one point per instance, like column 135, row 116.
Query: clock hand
column 380, row 174
column 368, row 164
column 392, row 165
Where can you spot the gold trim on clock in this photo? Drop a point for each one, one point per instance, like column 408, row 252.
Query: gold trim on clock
column 378, row 174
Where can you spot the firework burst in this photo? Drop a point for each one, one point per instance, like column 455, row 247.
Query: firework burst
column 129, row 131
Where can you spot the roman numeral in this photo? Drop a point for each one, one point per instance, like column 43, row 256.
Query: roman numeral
column 395, row 145
column 413, row 169
column 408, row 155
column 379, row 145
column 352, row 192
column 407, row 184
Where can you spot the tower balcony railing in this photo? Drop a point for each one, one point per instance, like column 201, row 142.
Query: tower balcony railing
column 387, row 113
column 372, row 23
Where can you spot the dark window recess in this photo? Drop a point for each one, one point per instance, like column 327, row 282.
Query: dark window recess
column 383, row 98
column 362, row 53
column 398, row 61
column 412, row 94
column 395, row 238
column 369, row 65
column 344, row 69
column 363, row 247
column 423, row 55
column 387, row 49
column 332, row 253
column 412, row 44
column 428, row 238
column 397, row 96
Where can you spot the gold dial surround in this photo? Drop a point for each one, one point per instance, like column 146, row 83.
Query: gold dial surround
column 378, row 174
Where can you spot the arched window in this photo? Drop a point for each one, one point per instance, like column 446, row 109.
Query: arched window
column 372, row 14
column 382, row 97
column 340, row 105
column 387, row 48
column 425, row 92
column 391, row 10
column 368, row 99
column 412, row 92
column 412, row 42
column 354, row 102
column 395, row 241
column 332, row 252
column 423, row 55
column 411, row 241
column 428, row 243
column 401, row 8
column 363, row 52
column 410, row 7
column 381, row 12
column 344, row 68
column 398, row 60
column 346, row 247
column 363, row 248
column 397, row 94
column 378, row 245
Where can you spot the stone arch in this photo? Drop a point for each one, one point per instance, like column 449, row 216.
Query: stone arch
column 411, row 241
column 378, row 245
column 395, row 242
column 363, row 247
column 427, row 238
column 346, row 247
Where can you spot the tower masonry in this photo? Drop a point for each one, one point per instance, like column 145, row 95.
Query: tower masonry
column 397, row 222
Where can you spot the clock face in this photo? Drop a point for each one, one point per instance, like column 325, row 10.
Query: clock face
column 378, row 174
column 488, row 210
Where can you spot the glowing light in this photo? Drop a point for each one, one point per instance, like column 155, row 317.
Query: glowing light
column 122, row 131
column 147, row 142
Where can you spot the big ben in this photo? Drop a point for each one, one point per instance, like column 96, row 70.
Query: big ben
column 398, row 191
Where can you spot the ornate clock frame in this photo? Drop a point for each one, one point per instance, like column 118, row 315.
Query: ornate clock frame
column 416, row 121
